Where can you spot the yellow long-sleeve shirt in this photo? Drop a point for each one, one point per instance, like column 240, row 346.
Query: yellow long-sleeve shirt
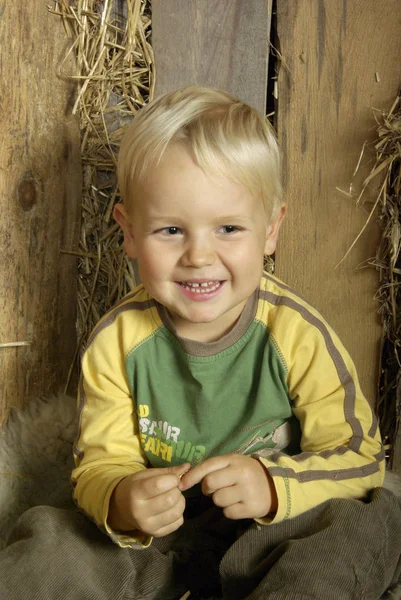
column 279, row 385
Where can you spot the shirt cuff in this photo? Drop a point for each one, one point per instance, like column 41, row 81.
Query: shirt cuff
column 124, row 539
column 282, row 485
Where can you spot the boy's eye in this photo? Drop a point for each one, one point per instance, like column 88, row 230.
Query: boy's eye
column 229, row 228
column 171, row 230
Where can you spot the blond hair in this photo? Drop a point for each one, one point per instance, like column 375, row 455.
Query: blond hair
column 224, row 135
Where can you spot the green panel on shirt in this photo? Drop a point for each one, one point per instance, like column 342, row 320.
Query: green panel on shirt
column 194, row 407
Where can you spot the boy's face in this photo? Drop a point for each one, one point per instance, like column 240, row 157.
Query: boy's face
column 199, row 240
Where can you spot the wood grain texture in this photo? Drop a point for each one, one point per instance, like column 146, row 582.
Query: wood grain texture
column 40, row 190
column 215, row 43
column 333, row 50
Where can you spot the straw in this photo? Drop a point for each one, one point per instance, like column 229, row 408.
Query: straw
column 115, row 76
column 387, row 172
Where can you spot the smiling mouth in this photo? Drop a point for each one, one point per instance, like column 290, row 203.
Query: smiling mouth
column 205, row 287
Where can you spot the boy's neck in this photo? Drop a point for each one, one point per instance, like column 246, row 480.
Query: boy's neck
column 207, row 332
column 202, row 332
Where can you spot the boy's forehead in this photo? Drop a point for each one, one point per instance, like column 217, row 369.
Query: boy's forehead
column 177, row 171
column 178, row 187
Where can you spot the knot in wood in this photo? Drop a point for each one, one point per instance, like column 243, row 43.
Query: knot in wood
column 27, row 194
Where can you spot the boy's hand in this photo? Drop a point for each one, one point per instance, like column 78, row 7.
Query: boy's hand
column 239, row 484
column 149, row 501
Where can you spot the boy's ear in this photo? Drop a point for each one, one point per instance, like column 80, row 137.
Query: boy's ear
column 123, row 219
column 272, row 231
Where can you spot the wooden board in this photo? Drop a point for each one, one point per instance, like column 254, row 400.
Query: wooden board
column 40, row 188
column 396, row 466
column 218, row 43
column 341, row 59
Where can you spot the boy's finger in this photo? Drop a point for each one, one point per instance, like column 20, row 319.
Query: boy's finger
column 166, row 510
column 196, row 474
column 163, row 531
column 217, row 480
column 177, row 470
column 180, row 470
column 154, row 486
column 228, row 496
column 154, row 482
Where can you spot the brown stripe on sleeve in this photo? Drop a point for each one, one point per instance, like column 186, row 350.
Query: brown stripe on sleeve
column 380, row 455
column 343, row 374
column 337, row 475
column 324, row 454
column 328, row 453
column 115, row 312
column 282, row 285
column 82, row 401
column 372, row 431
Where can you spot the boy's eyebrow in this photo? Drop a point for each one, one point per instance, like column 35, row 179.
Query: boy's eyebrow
column 162, row 219
column 229, row 218
column 218, row 219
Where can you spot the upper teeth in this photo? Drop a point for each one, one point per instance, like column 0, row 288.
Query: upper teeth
column 205, row 287
column 204, row 284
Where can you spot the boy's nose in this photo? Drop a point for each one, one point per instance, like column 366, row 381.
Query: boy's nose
column 198, row 255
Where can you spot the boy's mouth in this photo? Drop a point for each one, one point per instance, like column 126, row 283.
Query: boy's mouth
column 204, row 287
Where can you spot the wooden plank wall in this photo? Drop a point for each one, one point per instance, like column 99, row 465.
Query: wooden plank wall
column 335, row 51
column 218, row 43
column 341, row 59
column 40, row 189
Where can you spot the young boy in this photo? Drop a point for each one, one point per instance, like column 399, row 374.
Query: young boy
column 224, row 443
